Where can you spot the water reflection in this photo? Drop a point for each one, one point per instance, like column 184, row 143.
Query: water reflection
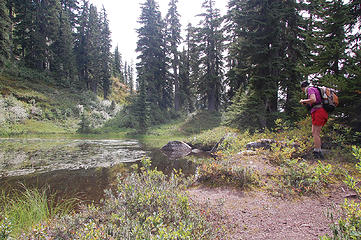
column 25, row 156
column 76, row 168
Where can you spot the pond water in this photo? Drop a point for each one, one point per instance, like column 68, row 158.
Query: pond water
column 79, row 168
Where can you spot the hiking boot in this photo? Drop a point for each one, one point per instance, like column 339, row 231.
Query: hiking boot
column 318, row 155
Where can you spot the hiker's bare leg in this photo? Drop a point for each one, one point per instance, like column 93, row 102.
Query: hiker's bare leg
column 316, row 131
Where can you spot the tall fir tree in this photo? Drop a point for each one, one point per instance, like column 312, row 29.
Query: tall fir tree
column 117, row 64
column 105, row 45
column 44, row 34
column 93, row 48
column 173, row 40
column 193, row 66
column 258, row 31
column 292, row 52
column 63, row 63
column 24, row 18
column 71, row 7
column 4, row 34
column 130, row 81
column 81, row 42
column 154, row 90
column 211, row 47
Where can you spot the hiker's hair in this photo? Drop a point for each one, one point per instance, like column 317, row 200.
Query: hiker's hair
column 304, row 84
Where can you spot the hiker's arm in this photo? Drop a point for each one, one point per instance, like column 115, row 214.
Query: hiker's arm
column 311, row 100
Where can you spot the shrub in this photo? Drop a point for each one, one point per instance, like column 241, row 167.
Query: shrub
column 146, row 205
column 303, row 178
column 218, row 173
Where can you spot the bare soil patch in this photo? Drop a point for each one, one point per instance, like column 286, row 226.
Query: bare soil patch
column 259, row 215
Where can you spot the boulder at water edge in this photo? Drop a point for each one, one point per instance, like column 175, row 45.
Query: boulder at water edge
column 176, row 149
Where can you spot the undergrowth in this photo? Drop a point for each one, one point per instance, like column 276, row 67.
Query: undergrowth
column 146, row 205
column 22, row 210
column 348, row 225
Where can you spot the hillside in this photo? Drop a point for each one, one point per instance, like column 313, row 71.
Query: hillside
column 32, row 102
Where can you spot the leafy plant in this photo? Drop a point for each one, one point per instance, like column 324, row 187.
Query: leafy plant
column 303, row 178
column 348, row 225
column 146, row 205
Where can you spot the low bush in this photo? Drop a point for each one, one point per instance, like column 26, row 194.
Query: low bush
column 348, row 225
column 224, row 173
column 146, row 205
column 302, row 178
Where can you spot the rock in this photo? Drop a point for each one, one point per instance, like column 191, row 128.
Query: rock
column 261, row 143
column 197, row 151
column 176, row 149
column 247, row 153
column 226, row 137
column 266, row 144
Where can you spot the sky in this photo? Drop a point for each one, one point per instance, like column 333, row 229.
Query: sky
column 124, row 14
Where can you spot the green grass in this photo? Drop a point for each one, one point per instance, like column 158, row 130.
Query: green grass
column 182, row 129
column 30, row 207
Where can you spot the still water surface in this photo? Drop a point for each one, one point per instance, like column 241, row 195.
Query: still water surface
column 79, row 168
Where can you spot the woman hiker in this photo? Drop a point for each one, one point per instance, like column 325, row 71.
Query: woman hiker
column 318, row 113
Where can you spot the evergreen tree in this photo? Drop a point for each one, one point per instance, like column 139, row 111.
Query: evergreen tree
column 71, row 7
column 259, row 40
column 125, row 73
column 329, row 43
column 193, row 66
column 154, row 90
column 292, row 52
column 117, row 64
column 130, row 81
column 173, row 39
column 4, row 33
column 93, row 36
column 24, row 12
column 45, row 34
column 81, row 43
column 64, row 60
column 186, row 94
column 105, row 56
column 350, row 94
column 211, row 46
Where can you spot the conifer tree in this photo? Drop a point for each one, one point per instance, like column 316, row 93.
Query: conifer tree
column 24, row 27
column 64, row 60
column 154, row 90
column 193, row 66
column 93, row 36
column 81, row 43
column 4, row 33
column 130, row 80
column 125, row 73
column 173, row 40
column 211, row 46
column 45, row 33
column 258, row 31
column 105, row 56
column 329, row 43
column 71, row 7
column 117, row 64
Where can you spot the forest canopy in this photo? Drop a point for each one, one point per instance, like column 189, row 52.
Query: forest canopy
column 247, row 64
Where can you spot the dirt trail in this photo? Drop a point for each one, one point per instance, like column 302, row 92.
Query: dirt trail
column 258, row 215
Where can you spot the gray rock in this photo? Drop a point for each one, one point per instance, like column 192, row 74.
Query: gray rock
column 261, row 143
column 266, row 144
column 176, row 149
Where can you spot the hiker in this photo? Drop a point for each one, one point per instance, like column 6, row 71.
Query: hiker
column 318, row 113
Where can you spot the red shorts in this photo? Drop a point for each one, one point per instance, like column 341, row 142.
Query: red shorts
column 319, row 117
